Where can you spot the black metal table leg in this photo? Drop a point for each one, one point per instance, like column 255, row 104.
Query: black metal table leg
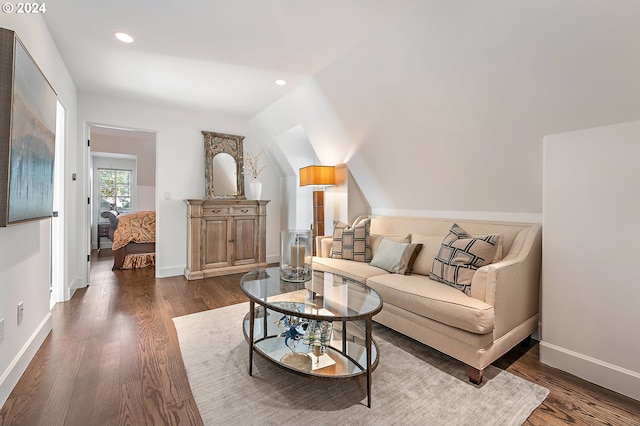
column 344, row 337
column 252, row 314
column 368, row 326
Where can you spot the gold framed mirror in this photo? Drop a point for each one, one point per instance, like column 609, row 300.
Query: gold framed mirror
column 224, row 165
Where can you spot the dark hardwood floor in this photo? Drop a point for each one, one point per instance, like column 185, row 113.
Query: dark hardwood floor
column 113, row 359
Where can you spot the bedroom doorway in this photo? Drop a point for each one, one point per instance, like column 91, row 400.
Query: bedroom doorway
column 122, row 176
column 57, row 291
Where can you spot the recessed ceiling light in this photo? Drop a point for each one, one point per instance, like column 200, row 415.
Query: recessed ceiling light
column 281, row 82
column 123, row 37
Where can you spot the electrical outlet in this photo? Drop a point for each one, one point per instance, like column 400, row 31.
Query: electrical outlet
column 20, row 312
column 1, row 329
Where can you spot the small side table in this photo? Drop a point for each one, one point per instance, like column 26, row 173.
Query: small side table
column 103, row 231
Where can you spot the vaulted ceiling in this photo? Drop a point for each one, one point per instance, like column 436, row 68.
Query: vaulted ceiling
column 207, row 54
column 458, row 92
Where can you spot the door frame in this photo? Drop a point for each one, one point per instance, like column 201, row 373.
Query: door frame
column 90, row 182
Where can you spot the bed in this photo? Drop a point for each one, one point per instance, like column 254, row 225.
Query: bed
column 134, row 238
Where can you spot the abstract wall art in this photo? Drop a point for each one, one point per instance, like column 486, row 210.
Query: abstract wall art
column 27, row 135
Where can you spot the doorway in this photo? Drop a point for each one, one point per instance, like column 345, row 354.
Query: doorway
column 57, row 290
column 119, row 152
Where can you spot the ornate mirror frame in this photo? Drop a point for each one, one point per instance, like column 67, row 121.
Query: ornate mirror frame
column 214, row 144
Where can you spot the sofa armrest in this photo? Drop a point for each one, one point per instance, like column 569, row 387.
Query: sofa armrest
column 112, row 215
column 512, row 286
column 323, row 245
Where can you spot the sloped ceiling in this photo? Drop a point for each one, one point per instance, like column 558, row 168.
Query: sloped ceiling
column 207, row 54
column 444, row 108
column 434, row 105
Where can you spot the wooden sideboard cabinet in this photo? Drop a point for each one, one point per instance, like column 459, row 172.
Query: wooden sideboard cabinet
column 225, row 236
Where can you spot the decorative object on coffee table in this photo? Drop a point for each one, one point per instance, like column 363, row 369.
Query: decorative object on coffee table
column 295, row 255
column 294, row 329
column 318, row 338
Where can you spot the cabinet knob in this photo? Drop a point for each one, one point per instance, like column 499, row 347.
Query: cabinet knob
column 244, row 210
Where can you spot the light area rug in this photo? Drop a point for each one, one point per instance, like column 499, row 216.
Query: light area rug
column 412, row 385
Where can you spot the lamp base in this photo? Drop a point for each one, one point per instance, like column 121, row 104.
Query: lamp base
column 318, row 216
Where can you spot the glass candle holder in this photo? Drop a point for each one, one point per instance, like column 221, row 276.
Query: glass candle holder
column 295, row 255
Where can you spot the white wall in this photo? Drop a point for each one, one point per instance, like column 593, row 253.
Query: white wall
column 146, row 198
column 180, row 166
column 142, row 145
column 293, row 152
column 25, row 249
column 444, row 108
column 590, row 284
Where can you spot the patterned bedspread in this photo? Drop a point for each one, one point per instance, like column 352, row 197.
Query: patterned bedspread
column 139, row 227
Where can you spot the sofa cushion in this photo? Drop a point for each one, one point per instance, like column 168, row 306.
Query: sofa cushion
column 460, row 255
column 395, row 257
column 430, row 246
column 351, row 242
column 359, row 271
column 434, row 300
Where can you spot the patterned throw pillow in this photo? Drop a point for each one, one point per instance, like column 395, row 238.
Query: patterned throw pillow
column 351, row 242
column 460, row 255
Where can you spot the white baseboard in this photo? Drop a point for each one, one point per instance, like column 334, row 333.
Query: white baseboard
column 461, row 215
column 607, row 375
column 12, row 374
column 76, row 284
column 170, row 271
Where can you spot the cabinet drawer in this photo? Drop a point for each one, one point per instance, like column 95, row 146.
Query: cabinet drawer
column 244, row 210
column 215, row 211
column 103, row 230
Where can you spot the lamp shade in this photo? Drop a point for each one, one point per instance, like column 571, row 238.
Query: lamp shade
column 317, row 175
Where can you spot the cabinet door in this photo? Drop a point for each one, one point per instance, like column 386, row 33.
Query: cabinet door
column 246, row 240
column 215, row 244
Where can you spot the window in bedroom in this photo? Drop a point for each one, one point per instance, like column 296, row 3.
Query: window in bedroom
column 115, row 190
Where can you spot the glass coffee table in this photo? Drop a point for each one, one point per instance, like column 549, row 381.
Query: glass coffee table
column 319, row 328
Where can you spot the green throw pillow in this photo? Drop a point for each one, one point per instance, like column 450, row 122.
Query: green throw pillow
column 396, row 257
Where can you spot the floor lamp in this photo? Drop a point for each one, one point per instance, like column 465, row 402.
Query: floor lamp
column 320, row 176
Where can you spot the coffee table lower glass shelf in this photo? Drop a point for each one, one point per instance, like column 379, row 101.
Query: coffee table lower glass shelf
column 346, row 354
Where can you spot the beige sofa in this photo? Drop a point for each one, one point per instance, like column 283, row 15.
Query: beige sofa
column 500, row 311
